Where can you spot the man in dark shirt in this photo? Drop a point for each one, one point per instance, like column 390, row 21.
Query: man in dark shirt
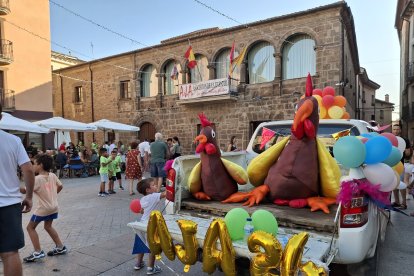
column 159, row 154
column 61, row 161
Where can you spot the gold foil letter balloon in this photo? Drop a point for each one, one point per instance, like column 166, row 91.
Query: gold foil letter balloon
column 159, row 239
column 263, row 262
column 187, row 254
column 212, row 256
column 292, row 255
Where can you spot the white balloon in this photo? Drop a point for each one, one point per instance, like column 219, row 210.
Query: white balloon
column 382, row 174
column 402, row 186
column 401, row 144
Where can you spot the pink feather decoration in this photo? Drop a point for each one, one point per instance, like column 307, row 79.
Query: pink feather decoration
column 361, row 187
column 168, row 165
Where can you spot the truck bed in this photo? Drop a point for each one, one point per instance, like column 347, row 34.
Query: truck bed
column 286, row 216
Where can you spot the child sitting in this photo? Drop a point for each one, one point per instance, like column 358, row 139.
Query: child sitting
column 148, row 187
column 46, row 188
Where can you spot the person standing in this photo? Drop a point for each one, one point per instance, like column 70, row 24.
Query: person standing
column 112, row 146
column 176, row 149
column 133, row 167
column 144, row 153
column 13, row 154
column 396, row 130
column 232, row 145
column 159, row 154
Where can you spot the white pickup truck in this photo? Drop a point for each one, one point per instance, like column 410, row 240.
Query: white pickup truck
column 347, row 235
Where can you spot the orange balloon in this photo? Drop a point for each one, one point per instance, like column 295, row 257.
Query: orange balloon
column 340, row 101
column 399, row 168
column 346, row 116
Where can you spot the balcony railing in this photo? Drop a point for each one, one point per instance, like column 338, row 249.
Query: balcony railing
column 409, row 72
column 4, row 7
column 6, row 52
column 7, row 99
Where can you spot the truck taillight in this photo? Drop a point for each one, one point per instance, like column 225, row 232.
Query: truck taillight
column 170, row 185
column 355, row 213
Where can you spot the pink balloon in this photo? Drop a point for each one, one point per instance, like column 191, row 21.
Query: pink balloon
column 329, row 90
column 364, row 140
column 328, row 101
column 393, row 139
column 317, row 91
column 135, row 206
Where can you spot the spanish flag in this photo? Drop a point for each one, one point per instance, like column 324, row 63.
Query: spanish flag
column 189, row 55
column 237, row 61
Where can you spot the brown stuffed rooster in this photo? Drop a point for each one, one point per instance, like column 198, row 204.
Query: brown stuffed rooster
column 296, row 168
column 213, row 178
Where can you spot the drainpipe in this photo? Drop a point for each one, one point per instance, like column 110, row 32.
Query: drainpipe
column 61, row 94
column 343, row 57
column 92, row 105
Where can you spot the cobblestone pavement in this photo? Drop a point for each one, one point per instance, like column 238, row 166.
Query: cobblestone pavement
column 100, row 243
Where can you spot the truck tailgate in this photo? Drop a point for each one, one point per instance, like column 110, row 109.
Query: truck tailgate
column 315, row 250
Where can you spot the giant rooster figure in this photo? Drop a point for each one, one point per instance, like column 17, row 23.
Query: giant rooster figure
column 213, row 178
column 296, row 168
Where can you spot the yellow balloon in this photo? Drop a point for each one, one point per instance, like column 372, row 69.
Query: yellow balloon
column 212, row 257
column 310, row 269
column 292, row 254
column 318, row 98
column 399, row 168
column 187, row 253
column 158, row 237
column 335, row 112
column 322, row 112
column 262, row 263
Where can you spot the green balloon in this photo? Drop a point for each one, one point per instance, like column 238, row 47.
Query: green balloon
column 265, row 221
column 235, row 220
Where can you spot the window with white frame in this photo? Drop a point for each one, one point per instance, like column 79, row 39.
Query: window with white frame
column 261, row 63
column 298, row 57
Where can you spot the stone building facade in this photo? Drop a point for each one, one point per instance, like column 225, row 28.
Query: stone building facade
column 135, row 87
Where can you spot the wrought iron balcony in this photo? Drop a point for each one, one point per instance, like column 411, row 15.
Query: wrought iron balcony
column 6, row 52
column 4, row 7
column 7, row 99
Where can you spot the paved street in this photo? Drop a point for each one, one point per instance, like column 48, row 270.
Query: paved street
column 100, row 243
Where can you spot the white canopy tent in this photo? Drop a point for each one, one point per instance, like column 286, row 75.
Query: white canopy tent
column 9, row 122
column 60, row 124
column 107, row 125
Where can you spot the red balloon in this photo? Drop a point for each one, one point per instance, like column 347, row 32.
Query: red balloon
column 135, row 206
column 328, row 101
column 393, row 139
column 329, row 90
column 317, row 91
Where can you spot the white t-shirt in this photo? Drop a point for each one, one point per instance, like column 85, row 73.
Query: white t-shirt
column 143, row 147
column 111, row 148
column 13, row 154
column 148, row 203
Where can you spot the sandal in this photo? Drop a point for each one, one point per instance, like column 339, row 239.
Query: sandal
column 403, row 207
column 396, row 205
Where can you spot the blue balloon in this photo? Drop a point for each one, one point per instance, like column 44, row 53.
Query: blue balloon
column 367, row 135
column 378, row 148
column 394, row 157
column 349, row 151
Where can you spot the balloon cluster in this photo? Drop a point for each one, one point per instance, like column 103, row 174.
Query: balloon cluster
column 262, row 220
column 330, row 106
column 378, row 154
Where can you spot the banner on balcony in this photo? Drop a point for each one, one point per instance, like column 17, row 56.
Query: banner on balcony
column 204, row 89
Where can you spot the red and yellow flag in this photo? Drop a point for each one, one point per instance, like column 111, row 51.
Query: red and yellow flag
column 237, row 61
column 189, row 55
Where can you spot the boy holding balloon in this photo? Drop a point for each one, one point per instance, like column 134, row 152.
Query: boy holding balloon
column 149, row 188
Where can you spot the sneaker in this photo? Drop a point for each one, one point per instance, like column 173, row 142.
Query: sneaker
column 138, row 266
column 153, row 270
column 105, row 194
column 121, row 188
column 113, row 192
column 34, row 256
column 57, row 251
column 99, row 194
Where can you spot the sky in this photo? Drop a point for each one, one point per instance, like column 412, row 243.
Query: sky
column 149, row 22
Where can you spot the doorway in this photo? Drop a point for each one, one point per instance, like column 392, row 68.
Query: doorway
column 147, row 131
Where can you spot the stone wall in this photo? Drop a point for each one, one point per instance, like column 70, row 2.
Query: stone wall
column 272, row 100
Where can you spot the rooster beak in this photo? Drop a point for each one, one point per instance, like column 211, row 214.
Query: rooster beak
column 304, row 111
column 201, row 138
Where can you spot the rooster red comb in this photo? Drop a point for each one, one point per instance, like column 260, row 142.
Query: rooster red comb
column 309, row 86
column 203, row 119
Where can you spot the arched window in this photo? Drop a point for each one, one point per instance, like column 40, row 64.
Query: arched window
column 200, row 72
column 223, row 65
column 261, row 63
column 149, row 82
column 172, row 77
column 299, row 57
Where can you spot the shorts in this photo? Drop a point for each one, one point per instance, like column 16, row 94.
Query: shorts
column 157, row 169
column 11, row 231
column 140, row 244
column 104, row 177
column 112, row 178
column 35, row 218
column 118, row 175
